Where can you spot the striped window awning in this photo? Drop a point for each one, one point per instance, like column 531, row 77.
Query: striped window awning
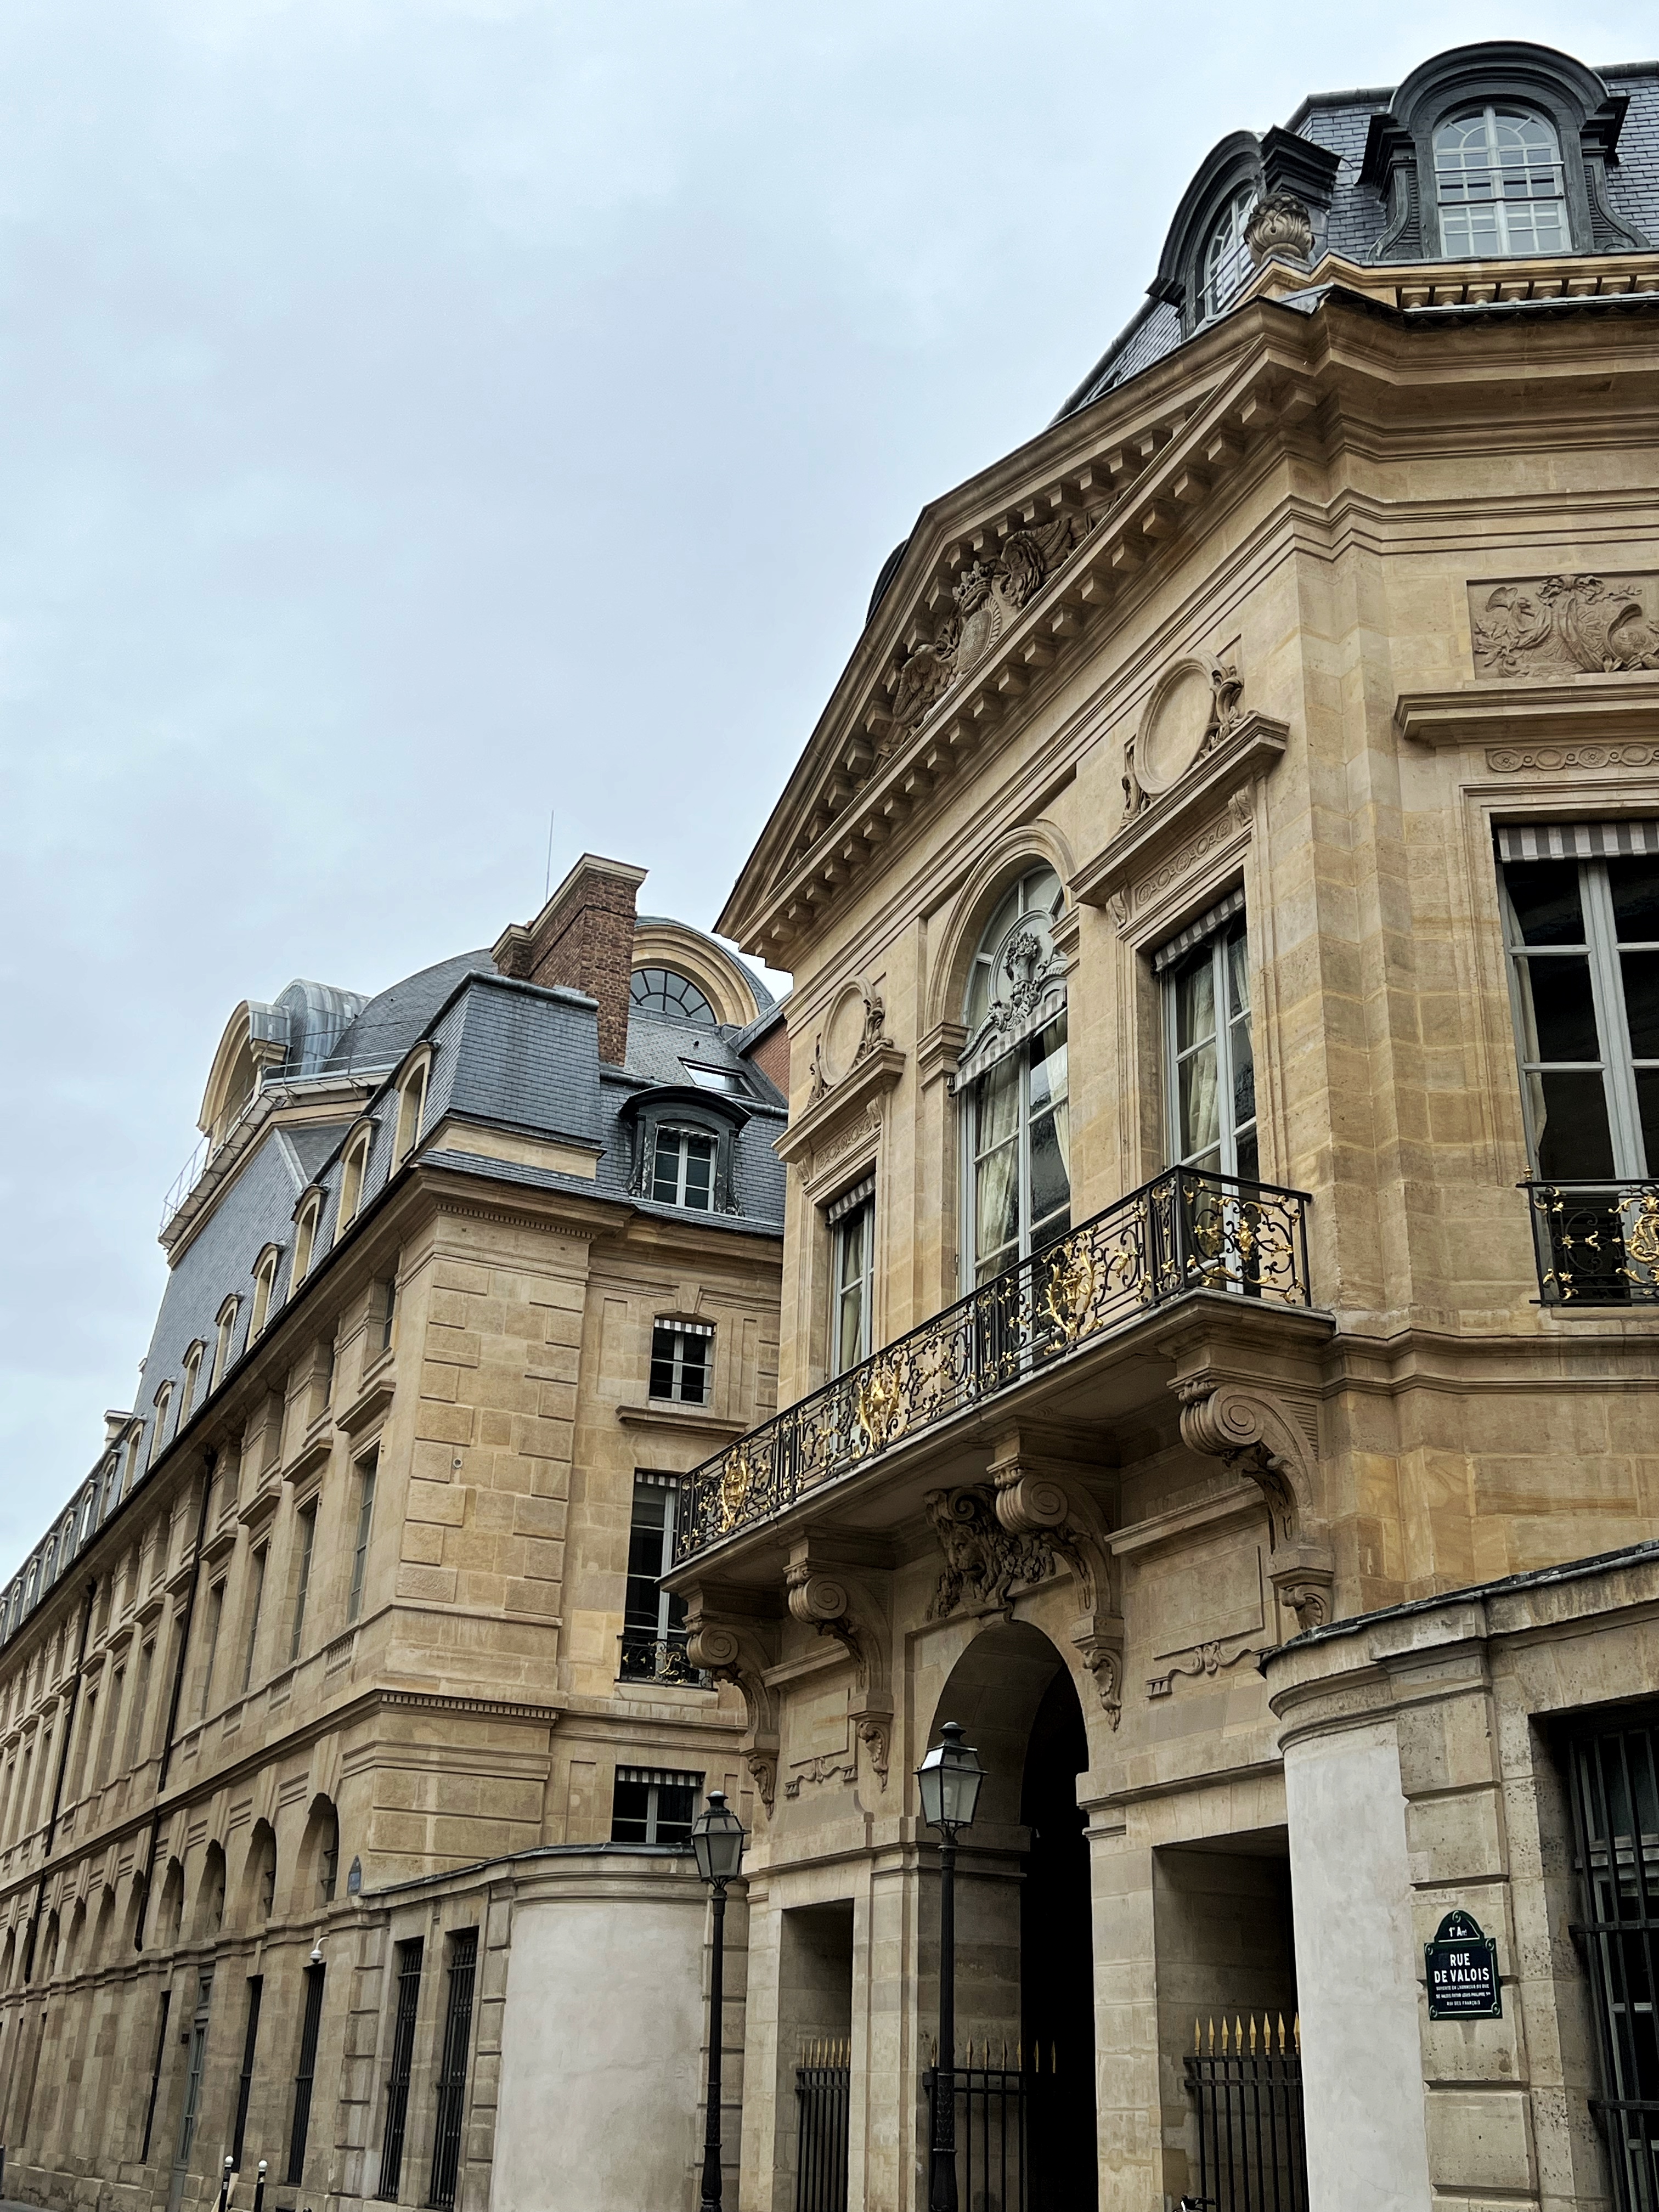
column 687, row 1328
column 662, row 1775
column 652, row 1480
column 851, row 1199
column 1195, row 931
column 1576, row 841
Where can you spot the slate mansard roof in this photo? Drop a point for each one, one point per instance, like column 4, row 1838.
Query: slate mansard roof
column 1357, row 204
column 507, row 1054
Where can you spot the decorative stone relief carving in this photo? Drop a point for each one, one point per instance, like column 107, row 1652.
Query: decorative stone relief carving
column 735, row 1654
column 833, row 1766
column 1279, row 224
column 1207, row 1659
column 825, row 1601
column 1563, row 626
column 984, row 1565
column 1547, row 760
column 988, row 595
column 1194, row 706
column 1274, row 1444
column 853, row 1032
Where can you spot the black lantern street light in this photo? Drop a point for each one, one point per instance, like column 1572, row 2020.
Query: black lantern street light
column 717, row 1838
column 949, row 1780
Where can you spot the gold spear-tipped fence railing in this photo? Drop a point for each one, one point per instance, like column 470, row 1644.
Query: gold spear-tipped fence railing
column 1247, row 2086
column 1597, row 1244
column 1183, row 1232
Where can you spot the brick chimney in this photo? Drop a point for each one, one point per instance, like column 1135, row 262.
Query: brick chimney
column 583, row 940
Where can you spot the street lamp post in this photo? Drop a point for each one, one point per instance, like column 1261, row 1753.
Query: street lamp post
column 949, row 1780
column 717, row 1838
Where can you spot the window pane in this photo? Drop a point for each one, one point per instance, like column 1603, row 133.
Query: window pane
column 694, row 1369
column 1563, row 1009
column 699, row 1172
column 1545, row 897
column 996, row 1200
column 1635, row 887
column 1570, row 1113
column 630, row 1810
column 662, row 1363
column 1050, row 1185
column 1641, row 973
column 665, row 1176
column 1196, row 1004
column 1239, row 974
column 675, row 1807
column 1647, row 1106
column 1200, row 1104
column 1048, row 1066
column 849, row 1343
column 1243, row 1074
column 999, row 1105
column 1249, row 1166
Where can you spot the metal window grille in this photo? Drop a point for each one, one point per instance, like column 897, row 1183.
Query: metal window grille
column 451, row 2075
column 155, row 2076
column 303, row 2081
column 255, row 1987
column 409, row 1958
column 823, row 2082
column 1252, row 2147
column 1615, row 1806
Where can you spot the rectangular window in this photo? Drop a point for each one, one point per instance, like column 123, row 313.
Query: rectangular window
column 409, row 1956
column 682, row 1170
column 1581, row 926
column 256, row 1989
column 852, row 1221
column 155, row 2076
column 653, row 1805
column 452, row 2068
column 84, row 1750
column 256, row 1600
column 1020, row 1129
column 306, row 2074
column 225, row 1329
column 682, row 1353
column 1210, row 1064
column 360, row 1549
column 308, row 1539
column 140, row 1703
column 382, row 1314
column 1615, row 1812
column 654, row 1619
column 215, row 1615
column 111, row 1717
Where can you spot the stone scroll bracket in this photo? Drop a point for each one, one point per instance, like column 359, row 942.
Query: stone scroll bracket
column 846, row 1607
column 1270, row 1438
column 731, row 1637
column 1041, row 1493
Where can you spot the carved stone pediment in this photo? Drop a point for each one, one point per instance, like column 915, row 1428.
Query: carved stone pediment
column 844, row 1113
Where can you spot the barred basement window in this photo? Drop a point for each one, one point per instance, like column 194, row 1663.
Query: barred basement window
column 452, row 2070
column 682, row 1354
column 306, row 2075
column 653, row 1805
column 410, row 1957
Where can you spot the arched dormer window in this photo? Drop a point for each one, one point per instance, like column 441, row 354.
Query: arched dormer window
column 353, row 1172
column 685, row 1143
column 264, row 1287
column 163, row 1399
column 305, row 1240
column 193, row 1371
column 411, row 1110
column 1227, row 256
column 224, row 1332
column 1499, row 180
column 1012, row 1082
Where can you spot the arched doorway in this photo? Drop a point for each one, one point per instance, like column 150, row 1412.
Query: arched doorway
column 1025, row 1961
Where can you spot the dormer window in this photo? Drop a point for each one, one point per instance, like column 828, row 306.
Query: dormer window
column 682, row 1170
column 304, row 1243
column 351, row 1180
column 264, row 1284
column 1499, row 179
column 193, row 1371
column 225, row 1329
column 713, row 1078
column 1227, row 257
column 163, row 1399
column 411, row 1109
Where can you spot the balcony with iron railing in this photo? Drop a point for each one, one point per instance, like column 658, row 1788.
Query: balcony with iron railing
column 1596, row 1244
column 645, row 1657
column 1184, row 1234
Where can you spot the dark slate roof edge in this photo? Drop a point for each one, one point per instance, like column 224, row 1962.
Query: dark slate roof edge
column 1362, row 95
column 1570, row 1571
column 1629, row 69
column 1080, row 397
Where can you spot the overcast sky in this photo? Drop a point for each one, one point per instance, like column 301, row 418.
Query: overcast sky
column 415, row 416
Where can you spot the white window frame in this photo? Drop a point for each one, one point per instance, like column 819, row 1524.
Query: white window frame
column 304, row 1242
column 681, row 1331
column 163, row 1399
column 190, row 1376
column 264, row 1292
column 225, row 1331
column 655, row 1780
column 1226, row 265
column 411, row 1111
column 354, row 1172
column 855, row 1209
column 1174, row 961
column 1458, row 208
column 685, row 1139
column 1601, row 948
column 645, row 1479
column 368, row 1468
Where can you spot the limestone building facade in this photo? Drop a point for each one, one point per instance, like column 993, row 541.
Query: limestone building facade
column 1222, row 1238
column 348, row 1743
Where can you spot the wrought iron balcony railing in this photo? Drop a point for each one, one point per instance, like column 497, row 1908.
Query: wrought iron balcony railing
column 1597, row 1244
column 648, row 1657
column 1183, row 1232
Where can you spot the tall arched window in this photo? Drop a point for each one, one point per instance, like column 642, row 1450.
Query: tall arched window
column 411, row 1106
column 1499, row 179
column 305, row 1240
column 351, row 1181
column 157, row 1434
column 1012, row 1081
column 1226, row 257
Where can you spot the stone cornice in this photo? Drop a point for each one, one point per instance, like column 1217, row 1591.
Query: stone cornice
column 877, row 1072
column 686, row 1420
column 369, row 1405
column 1528, row 710
column 1152, row 839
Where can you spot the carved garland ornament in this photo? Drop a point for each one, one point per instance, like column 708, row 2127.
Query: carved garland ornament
column 1194, row 706
column 1558, row 626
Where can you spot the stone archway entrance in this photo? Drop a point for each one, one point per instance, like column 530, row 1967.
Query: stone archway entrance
column 1024, row 1953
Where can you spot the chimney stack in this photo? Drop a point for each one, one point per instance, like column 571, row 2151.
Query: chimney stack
column 583, row 941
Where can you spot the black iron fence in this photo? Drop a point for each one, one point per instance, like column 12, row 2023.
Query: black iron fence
column 1596, row 1244
column 993, row 2135
column 1247, row 2086
column 822, row 2084
column 1183, row 1232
